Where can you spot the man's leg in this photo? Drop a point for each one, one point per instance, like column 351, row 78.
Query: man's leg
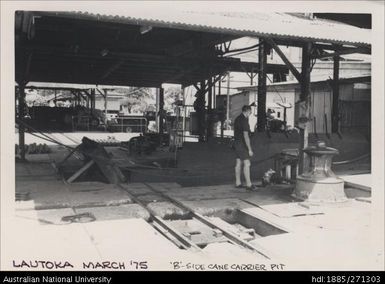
column 246, row 172
column 238, row 166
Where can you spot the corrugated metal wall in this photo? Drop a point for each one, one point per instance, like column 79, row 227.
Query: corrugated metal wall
column 355, row 108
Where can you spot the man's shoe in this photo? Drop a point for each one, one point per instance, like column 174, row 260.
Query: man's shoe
column 252, row 188
column 239, row 186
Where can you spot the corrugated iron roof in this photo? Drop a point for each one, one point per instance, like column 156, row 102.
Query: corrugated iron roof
column 281, row 25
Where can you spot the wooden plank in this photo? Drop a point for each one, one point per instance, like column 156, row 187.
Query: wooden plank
column 72, row 152
column 80, row 171
column 102, row 159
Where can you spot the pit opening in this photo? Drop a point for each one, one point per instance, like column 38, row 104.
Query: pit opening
column 248, row 223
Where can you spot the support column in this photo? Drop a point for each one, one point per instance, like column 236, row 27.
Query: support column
column 161, row 110
column 21, row 118
column 92, row 100
column 210, row 94
column 262, row 60
column 105, row 109
column 199, row 107
column 157, row 109
column 209, row 124
column 184, row 113
column 214, row 95
column 336, row 91
column 305, row 97
column 228, row 102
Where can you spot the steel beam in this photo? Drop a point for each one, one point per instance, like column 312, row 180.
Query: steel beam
column 262, row 57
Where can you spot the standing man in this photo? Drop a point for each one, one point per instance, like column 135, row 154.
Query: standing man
column 242, row 148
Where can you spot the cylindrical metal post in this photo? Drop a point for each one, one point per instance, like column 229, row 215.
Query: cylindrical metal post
column 335, row 107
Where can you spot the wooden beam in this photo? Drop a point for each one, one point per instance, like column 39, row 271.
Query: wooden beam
column 161, row 110
column 291, row 67
column 196, row 87
column 343, row 52
column 80, row 171
column 211, row 83
column 163, row 60
column 51, row 88
column 102, row 93
column 85, row 92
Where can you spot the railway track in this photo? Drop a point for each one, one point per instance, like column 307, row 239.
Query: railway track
column 173, row 230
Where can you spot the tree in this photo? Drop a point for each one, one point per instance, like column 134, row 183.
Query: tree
column 171, row 96
column 136, row 99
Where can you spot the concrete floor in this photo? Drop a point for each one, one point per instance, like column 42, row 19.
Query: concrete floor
column 318, row 237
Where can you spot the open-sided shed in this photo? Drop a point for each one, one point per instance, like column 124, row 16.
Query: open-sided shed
column 149, row 48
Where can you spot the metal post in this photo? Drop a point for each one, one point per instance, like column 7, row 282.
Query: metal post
column 214, row 96
column 262, row 60
column 209, row 129
column 184, row 112
column 335, row 107
column 92, row 100
column 161, row 110
column 200, row 110
column 21, row 118
column 210, row 94
column 305, row 96
column 105, row 109
column 157, row 110
column 228, row 102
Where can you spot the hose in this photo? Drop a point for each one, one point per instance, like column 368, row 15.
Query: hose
column 352, row 160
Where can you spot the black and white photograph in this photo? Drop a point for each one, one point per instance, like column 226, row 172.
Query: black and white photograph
column 192, row 136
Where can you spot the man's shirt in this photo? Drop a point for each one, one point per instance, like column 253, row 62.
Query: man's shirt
column 241, row 124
